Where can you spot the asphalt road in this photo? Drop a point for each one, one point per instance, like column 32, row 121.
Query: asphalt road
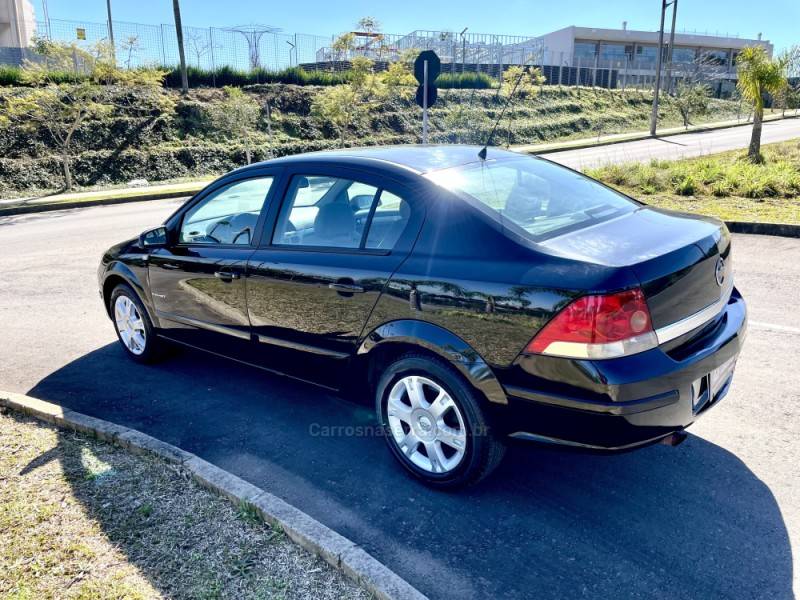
column 716, row 517
column 672, row 147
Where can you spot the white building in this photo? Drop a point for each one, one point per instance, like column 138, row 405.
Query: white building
column 633, row 53
column 17, row 23
column 17, row 27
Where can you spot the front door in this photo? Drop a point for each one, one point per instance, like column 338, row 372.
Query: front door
column 313, row 283
column 197, row 283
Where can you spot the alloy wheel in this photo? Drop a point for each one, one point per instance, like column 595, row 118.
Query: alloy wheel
column 130, row 325
column 426, row 424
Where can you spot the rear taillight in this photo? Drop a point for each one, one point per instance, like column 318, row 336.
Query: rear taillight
column 597, row 327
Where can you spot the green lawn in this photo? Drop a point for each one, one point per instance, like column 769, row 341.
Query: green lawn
column 724, row 185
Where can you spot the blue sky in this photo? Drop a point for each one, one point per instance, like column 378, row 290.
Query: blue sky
column 778, row 20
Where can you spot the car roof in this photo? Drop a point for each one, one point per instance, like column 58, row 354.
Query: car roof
column 417, row 158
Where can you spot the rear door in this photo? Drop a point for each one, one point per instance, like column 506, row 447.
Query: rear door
column 338, row 236
column 197, row 282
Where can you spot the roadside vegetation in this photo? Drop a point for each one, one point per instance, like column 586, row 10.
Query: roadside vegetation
column 84, row 519
column 727, row 185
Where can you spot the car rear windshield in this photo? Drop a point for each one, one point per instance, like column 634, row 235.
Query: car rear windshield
column 535, row 196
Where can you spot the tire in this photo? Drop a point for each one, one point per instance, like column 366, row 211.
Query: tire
column 146, row 347
column 458, row 436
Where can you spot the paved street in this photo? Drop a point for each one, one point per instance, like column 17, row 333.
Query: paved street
column 714, row 518
column 676, row 146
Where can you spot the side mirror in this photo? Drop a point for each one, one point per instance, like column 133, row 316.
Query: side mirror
column 154, row 238
column 302, row 182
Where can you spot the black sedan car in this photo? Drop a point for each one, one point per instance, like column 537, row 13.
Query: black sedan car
column 477, row 298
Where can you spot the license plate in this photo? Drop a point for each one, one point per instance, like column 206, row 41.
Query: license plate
column 719, row 376
column 705, row 389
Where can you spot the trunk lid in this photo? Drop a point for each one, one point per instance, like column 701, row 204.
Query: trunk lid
column 674, row 256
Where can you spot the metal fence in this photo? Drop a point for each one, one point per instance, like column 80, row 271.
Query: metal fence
column 254, row 46
column 249, row 47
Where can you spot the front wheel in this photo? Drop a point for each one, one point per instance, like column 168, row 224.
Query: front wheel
column 434, row 424
column 133, row 326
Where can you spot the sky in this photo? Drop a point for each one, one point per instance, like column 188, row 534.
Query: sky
column 778, row 20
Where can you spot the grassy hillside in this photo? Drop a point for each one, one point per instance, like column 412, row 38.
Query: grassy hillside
column 181, row 142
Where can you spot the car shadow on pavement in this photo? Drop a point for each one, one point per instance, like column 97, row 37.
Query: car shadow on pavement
column 691, row 521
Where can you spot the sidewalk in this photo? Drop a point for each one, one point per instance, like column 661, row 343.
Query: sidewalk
column 615, row 138
column 107, row 196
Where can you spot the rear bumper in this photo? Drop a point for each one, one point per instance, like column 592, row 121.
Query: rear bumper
column 627, row 402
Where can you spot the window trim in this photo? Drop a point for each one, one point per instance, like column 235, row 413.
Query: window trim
column 361, row 248
column 178, row 217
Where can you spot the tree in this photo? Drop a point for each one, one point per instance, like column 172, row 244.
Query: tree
column 199, row 44
column 130, row 45
column 63, row 109
column 518, row 83
column 368, row 24
column 345, row 105
column 236, row 117
column 691, row 100
column 759, row 75
column 343, row 46
column 176, row 9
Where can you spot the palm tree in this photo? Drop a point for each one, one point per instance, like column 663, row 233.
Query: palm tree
column 758, row 75
column 176, row 9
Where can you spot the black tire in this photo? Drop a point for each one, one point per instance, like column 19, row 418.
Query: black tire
column 153, row 346
column 484, row 450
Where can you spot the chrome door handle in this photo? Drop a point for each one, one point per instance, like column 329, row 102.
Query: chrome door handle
column 346, row 288
column 170, row 266
column 226, row 275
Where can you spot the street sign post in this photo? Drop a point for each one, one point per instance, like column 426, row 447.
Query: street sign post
column 426, row 69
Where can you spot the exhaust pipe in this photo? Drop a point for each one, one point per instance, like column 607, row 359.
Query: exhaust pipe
column 674, row 439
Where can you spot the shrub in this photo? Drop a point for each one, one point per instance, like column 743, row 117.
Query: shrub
column 686, row 186
column 466, row 80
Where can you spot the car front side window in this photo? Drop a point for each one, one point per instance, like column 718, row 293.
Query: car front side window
column 227, row 216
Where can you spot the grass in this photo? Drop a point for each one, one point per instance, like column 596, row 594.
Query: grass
column 724, row 185
column 84, row 519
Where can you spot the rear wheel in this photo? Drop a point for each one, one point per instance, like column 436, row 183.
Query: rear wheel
column 434, row 423
column 133, row 326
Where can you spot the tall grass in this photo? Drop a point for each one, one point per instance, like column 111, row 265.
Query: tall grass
column 722, row 175
column 12, row 76
column 466, row 80
column 234, row 77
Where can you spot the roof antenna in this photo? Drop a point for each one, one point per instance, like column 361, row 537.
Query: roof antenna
column 482, row 152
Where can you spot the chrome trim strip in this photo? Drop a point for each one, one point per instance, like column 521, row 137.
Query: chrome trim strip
column 624, row 407
column 535, row 437
column 244, row 335
column 265, row 339
column 701, row 317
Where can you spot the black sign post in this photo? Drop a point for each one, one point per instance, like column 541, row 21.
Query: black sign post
column 426, row 69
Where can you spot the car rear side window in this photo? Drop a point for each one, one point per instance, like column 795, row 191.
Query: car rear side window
column 388, row 221
column 228, row 215
column 535, row 196
column 324, row 212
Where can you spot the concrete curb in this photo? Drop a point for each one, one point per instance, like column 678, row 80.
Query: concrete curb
column 302, row 529
column 777, row 229
column 36, row 208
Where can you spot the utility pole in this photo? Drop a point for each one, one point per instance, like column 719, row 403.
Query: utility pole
column 111, row 34
column 671, row 46
column 654, row 114
column 463, row 48
column 176, row 9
